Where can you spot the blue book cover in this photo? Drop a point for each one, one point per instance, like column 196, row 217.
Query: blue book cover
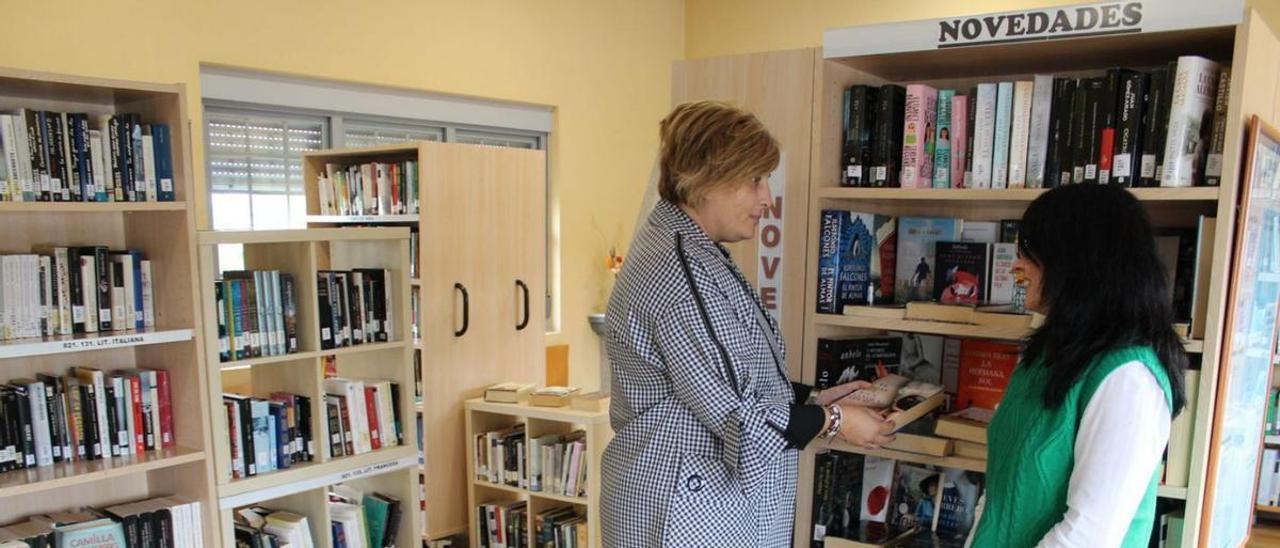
column 829, row 261
column 138, row 308
column 866, row 246
column 916, row 269
column 280, row 439
column 942, row 142
column 1004, row 123
column 164, row 161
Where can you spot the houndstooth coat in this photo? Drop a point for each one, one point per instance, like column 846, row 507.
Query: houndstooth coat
column 698, row 457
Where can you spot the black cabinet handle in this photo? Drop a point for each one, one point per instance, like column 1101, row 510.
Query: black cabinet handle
column 466, row 310
column 525, row 289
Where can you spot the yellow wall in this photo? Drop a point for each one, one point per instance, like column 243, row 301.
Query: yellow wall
column 726, row 27
column 604, row 65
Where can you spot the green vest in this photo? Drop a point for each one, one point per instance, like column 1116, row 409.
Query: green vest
column 1031, row 455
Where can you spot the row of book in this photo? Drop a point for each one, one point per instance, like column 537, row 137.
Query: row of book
column 86, row 414
column 268, row 434
column 366, row 412
column 257, row 314
column 77, row 157
column 868, row 259
column 375, row 188
column 870, row 501
column 505, row 525
column 262, row 527
column 164, row 522
column 1162, row 127
column 66, row 290
column 355, row 307
column 1269, row 478
column 362, row 520
column 554, row 463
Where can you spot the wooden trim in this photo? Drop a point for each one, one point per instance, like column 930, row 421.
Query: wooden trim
column 1204, row 194
column 301, row 235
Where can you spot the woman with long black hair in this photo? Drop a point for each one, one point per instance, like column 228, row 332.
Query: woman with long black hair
column 1075, row 445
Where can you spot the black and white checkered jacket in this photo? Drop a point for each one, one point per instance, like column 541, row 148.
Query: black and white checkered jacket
column 699, row 400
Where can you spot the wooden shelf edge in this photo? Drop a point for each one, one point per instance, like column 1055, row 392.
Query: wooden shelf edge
column 1268, row 509
column 1200, row 194
column 972, row 465
column 407, row 148
column 300, row 235
column 63, row 475
column 524, row 410
column 1178, row 493
column 90, row 207
column 21, row 348
column 582, row 501
column 315, row 475
column 1194, row 346
column 362, row 219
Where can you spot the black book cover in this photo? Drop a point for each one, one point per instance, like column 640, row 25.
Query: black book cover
column 1152, row 113
column 53, row 402
column 859, row 120
column 1128, row 144
column 288, row 299
column 35, row 144
column 81, row 161
column 89, row 410
column 324, row 311
column 116, row 141
column 12, row 429
column 971, row 118
column 338, row 304
column 963, row 271
column 246, row 437
column 304, row 428
column 886, row 161
column 1107, row 107
column 351, row 296
column 278, row 418
column 123, row 149
column 76, row 289
column 219, row 299
column 1166, row 104
column 846, row 360
column 1009, row 230
column 1095, row 117
column 839, row 477
column 393, row 521
column 102, row 256
column 334, row 417
column 395, row 413
column 1059, row 128
column 1079, row 98
column 113, row 428
column 22, row 395
column 53, row 135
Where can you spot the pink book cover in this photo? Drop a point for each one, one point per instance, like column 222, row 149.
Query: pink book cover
column 917, row 136
column 959, row 134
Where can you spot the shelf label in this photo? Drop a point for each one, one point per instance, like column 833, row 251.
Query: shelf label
column 371, row 470
column 122, row 340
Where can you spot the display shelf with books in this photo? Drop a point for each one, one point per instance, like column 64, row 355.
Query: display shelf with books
column 1227, row 50
column 326, row 400
column 566, row 440
column 476, row 290
column 126, row 305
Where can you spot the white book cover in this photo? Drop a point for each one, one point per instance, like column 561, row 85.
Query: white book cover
column 63, row 279
column 984, row 133
column 277, row 313
column 980, row 231
column 149, row 166
column 99, row 163
column 39, row 407
column 126, row 309
column 384, row 189
column 119, row 306
column 14, row 173
column 30, row 179
column 1020, row 133
column 31, row 281
column 1003, row 129
column 130, row 427
column 148, row 298
column 1003, row 282
column 6, row 299
column 89, row 289
column 1190, row 121
column 48, row 306
column 153, row 388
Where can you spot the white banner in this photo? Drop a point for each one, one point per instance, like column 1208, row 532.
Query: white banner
column 769, row 243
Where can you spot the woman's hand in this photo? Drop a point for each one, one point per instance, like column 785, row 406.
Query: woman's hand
column 837, row 393
column 865, row 427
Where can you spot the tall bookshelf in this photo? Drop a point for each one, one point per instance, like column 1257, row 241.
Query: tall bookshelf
column 303, row 487
column 165, row 234
column 481, row 277
column 485, row 416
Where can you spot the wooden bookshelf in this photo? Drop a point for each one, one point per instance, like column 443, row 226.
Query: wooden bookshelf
column 482, row 416
column 165, row 234
column 481, row 217
column 303, row 486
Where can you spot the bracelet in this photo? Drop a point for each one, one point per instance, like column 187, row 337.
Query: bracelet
column 837, row 417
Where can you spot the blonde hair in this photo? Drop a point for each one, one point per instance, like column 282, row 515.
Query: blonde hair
column 709, row 144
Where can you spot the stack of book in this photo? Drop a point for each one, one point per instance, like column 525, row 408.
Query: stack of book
column 87, row 414
column 268, row 434
column 560, row 527
column 257, row 526
column 503, row 525
column 69, row 290
column 354, row 307
column 363, row 521
column 257, row 314
column 155, row 523
column 77, row 157
column 370, row 189
column 362, row 415
column 1160, row 127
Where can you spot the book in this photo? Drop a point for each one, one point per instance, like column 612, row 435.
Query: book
column 916, row 496
column 917, row 437
column 915, row 270
column 837, row 495
column 968, row 424
column 1003, row 135
column 901, row 399
column 1081, row 131
column 1203, row 266
column 985, row 369
column 1003, row 281
column 963, row 272
column 1104, row 148
column 859, row 118
column 1190, row 121
column 1128, row 141
column 970, row 125
column 868, row 246
column 886, row 150
column 920, row 111
column 984, row 133
column 1039, row 129
column 508, row 392
column 1020, row 133
column 1213, row 161
column 1058, row 163
column 959, row 138
column 552, row 396
column 942, row 139
column 957, row 511
column 970, row 450
column 877, row 483
column 850, row 359
column 1154, row 118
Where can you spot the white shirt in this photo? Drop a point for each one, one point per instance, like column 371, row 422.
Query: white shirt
column 1122, row 435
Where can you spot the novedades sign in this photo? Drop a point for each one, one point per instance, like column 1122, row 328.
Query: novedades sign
column 1071, row 22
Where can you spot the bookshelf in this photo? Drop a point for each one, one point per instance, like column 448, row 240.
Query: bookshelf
column 480, row 283
column 302, row 487
column 482, row 416
column 165, row 234
column 811, row 87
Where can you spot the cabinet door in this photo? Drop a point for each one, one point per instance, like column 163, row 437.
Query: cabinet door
column 472, row 237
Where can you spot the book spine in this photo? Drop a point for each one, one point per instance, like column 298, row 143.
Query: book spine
column 84, row 156
column 323, row 311
column 118, row 310
column 89, row 288
column 1020, row 133
column 1003, row 130
column 1128, row 146
column 165, row 406
column 97, row 159
column 75, row 165
column 164, row 162
column 1189, row 121
column 148, row 165
column 847, row 143
column 372, row 418
column 138, row 180
column 148, row 294
column 1152, row 115
column 118, row 156
column 959, row 137
column 103, row 264
column 829, row 262
column 1107, row 124
column 15, row 174
column 55, row 160
column 39, row 155
column 1079, row 131
column 984, row 135
column 1213, row 164
column 887, row 142
column 1040, row 129
column 917, row 136
column 220, row 304
column 943, row 137
column 62, row 274
column 290, row 304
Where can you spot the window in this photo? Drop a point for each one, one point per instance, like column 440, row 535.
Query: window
column 357, row 133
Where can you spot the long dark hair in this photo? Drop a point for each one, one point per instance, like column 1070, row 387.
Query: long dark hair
column 1102, row 282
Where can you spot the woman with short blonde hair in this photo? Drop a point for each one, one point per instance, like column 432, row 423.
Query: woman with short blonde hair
column 707, row 425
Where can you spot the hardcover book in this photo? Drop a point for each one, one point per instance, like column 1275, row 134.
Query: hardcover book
column 963, row 272
column 868, row 244
column 1190, row 121
column 1154, row 116
column 1213, row 164
column 1040, row 129
column 847, row 360
column 859, row 123
column 1107, row 115
column 915, row 271
column 1020, row 133
column 1128, row 144
column 985, row 368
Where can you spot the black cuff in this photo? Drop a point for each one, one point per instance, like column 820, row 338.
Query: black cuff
column 804, row 425
column 801, row 391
